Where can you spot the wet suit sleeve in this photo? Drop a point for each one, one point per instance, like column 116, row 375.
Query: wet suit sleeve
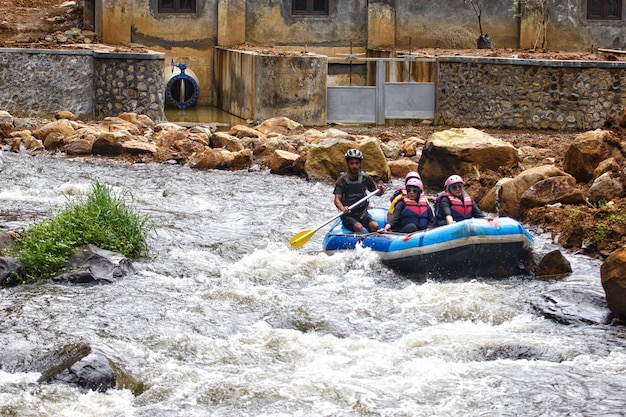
column 339, row 188
column 395, row 217
column 444, row 207
column 431, row 217
column 371, row 185
column 476, row 211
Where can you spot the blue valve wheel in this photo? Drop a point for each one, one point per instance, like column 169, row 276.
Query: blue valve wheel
column 182, row 91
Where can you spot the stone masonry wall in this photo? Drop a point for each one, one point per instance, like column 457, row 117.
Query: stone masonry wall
column 90, row 84
column 516, row 93
column 43, row 82
column 126, row 82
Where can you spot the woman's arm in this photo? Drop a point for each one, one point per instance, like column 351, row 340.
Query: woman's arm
column 444, row 208
column 476, row 211
column 395, row 217
column 431, row 217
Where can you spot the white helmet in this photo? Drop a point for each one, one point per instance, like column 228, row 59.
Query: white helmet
column 354, row 154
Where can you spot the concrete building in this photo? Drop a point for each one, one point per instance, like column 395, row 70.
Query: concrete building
column 197, row 32
column 190, row 30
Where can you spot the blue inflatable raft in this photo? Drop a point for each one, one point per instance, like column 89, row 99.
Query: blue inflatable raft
column 472, row 248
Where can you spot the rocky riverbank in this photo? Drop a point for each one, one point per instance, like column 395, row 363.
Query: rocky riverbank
column 568, row 184
column 595, row 228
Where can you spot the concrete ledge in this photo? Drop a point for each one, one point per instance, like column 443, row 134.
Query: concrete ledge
column 35, row 51
column 128, row 55
column 534, row 62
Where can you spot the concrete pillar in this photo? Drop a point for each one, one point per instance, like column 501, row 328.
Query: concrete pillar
column 118, row 17
column 231, row 22
column 381, row 24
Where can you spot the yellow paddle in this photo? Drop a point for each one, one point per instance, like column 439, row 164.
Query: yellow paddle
column 300, row 238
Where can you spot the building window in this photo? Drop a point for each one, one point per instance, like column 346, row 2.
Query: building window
column 177, row 6
column 604, row 9
column 309, row 7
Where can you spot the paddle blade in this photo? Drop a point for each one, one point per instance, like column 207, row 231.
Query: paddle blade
column 300, row 238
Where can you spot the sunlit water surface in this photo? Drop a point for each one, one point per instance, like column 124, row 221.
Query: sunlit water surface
column 225, row 319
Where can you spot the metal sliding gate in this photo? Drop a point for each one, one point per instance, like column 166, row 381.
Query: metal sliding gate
column 385, row 100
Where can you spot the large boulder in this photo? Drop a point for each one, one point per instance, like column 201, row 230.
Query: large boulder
column 463, row 151
column 284, row 163
column 550, row 191
column 136, row 147
column 139, row 120
column 410, row 145
column 282, row 125
column 76, row 365
column 241, row 131
column 401, row 167
column 326, row 160
column 90, row 264
column 506, row 194
column 264, row 151
column 391, row 150
column 93, row 372
column 117, row 124
column 221, row 159
column 605, row 188
column 61, row 127
column 227, row 141
column 571, row 303
column 613, row 278
column 588, row 150
column 553, row 264
column 110, row 143
column 10, row 271
column 82, row 146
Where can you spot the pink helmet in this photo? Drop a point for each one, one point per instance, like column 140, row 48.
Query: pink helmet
column 453, row 179
column 414, row 182
column 412, row 174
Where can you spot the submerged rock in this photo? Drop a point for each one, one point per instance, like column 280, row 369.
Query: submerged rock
column 571, row 303
column 92, row 265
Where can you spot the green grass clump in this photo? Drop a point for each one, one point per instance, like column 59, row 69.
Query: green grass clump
column 99, row 218
column 603, row 228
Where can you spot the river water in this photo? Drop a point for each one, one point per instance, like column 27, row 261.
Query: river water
column 225, row 319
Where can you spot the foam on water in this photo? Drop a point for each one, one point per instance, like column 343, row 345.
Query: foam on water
column 226, row 319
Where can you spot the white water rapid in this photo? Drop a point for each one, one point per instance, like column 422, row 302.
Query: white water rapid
column 225, row 319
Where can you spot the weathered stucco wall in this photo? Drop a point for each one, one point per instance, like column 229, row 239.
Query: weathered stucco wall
column 569, row 29
column 453, row 24
column 186, row 38
column 271, row 23
column 41, row 82
column 352, row 26
column 256, row 86
column 511, row 93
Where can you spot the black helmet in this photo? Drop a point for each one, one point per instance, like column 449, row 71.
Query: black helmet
column 354, row 153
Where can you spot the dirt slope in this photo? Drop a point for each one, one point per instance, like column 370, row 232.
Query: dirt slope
column 26, row 21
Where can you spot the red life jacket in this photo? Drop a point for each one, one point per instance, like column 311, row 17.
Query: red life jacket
column 460, row 209
column 415, row 212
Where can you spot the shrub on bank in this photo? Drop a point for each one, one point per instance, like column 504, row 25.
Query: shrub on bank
column 100, row 218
